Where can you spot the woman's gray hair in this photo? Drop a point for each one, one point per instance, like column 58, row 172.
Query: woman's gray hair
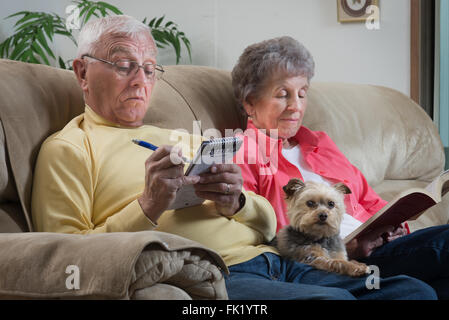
column 120, row 25
column 261, row 62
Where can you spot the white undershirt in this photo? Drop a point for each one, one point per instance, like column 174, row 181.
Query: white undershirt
column 294, row 156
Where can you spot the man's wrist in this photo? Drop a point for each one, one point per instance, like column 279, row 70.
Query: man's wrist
column 148, row 212
column 242, row 201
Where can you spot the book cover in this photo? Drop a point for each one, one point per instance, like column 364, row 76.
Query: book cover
column 407, row 205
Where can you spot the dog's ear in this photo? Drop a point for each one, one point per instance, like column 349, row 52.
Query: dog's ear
column 293, row 186
column 341, row 187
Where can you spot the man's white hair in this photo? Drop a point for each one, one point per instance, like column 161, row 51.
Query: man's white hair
column 120, row 25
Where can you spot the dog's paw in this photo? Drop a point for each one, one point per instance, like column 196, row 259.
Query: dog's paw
column 358, row 269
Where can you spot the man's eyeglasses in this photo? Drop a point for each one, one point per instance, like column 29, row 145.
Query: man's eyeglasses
column 127, row 67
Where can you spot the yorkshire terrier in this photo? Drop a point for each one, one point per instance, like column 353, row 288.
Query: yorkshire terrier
column 313, row 236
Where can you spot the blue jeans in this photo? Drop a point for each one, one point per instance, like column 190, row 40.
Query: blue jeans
column 270, row 277
column 423, row 254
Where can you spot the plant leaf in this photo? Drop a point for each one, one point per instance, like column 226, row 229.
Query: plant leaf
column 177, row 46
column 26, row 25
column 19, row 48
column 158, row 22
column 61, row 63
column 16, row 14
column 188, row 47
column 49, row 31
column 89, row 14
column 38, row 50
column 110, row 7
column 41, row 39
column 5, row 48
column 32, row 58
column 159, row 36
column 27, row 16
column 151, row 23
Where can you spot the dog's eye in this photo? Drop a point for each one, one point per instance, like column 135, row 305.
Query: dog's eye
column 331, row 204
column 311, row 204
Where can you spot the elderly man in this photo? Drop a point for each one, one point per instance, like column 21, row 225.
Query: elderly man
column 90, row 178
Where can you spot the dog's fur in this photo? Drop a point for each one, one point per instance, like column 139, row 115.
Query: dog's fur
column 313, row 236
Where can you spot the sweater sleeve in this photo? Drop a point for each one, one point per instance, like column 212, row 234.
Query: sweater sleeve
column 257, row 214
column 63, row 194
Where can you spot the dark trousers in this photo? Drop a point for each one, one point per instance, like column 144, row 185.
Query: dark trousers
column 270, row 277
column 423, row 254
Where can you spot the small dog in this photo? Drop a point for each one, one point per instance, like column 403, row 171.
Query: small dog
column 313, row 236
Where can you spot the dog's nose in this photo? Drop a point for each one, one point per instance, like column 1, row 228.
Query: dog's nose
column 322, row 216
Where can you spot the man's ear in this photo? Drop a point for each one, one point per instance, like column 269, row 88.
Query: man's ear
column 80, row 70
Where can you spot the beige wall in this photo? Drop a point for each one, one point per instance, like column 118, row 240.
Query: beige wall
column 220, row 29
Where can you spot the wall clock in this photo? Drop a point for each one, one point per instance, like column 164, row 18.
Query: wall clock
column 354, row 10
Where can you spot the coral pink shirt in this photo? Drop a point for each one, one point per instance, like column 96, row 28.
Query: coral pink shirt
column 265, row 170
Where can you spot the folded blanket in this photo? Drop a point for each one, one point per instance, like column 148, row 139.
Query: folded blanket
column 123, row 265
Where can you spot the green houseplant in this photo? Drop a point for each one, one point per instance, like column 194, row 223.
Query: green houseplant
column 35, row 31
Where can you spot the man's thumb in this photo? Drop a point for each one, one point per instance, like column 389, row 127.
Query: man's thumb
column 190, row 179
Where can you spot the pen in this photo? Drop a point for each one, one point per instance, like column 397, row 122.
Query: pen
column 152, row 147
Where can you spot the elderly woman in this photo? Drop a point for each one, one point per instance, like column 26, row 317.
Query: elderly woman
column 271, row 82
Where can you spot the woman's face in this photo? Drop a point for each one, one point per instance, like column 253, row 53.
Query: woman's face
column 281, row 107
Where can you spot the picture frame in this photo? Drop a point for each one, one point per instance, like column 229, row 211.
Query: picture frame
column 354, row 10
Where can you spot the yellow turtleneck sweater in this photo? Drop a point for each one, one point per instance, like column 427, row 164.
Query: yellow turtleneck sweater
column 89, row 175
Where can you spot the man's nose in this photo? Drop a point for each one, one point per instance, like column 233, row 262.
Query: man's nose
column 139, row 78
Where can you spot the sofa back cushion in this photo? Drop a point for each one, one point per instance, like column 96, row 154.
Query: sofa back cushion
column 381, row 131
column 194, row 93
column 8, row 190
column 35, row 101
column 11, row 216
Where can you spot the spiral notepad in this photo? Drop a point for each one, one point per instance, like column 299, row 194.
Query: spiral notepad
column 217, row 151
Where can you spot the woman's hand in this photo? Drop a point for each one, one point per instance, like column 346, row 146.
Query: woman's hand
column 364, row 246
column 399, row 232
column 223, row 185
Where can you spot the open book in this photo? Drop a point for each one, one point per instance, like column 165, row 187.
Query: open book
column 220, row 150
column 407, row 205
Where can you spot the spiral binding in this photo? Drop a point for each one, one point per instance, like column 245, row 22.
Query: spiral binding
column 219, row 146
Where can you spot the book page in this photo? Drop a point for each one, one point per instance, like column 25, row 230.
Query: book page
column 440, row 185
column 434, row 186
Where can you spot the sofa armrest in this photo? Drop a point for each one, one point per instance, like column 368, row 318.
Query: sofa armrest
column 107, row 266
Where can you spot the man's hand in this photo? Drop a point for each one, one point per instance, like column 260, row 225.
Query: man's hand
column 162, row 180
column 223, row 185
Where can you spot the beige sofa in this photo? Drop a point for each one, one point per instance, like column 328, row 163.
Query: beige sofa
column 381, row 131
